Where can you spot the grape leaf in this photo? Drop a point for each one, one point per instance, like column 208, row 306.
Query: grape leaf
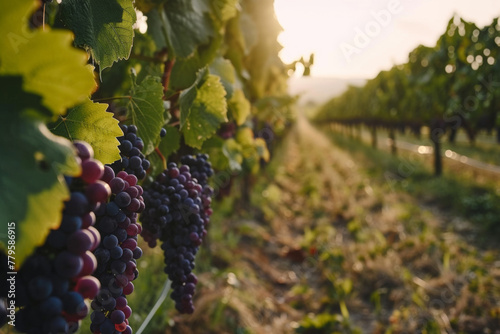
column 224, row 9
column 171, row 142
column 262, row 151
column 146, row 110
column 156, row 28
column 225, row 70
column 166, row 146
column 103, row 26
column 187, row 26
column 239, row 107
column 46, row 73
column 184, row 72
column 32, row 188
column 245, row 136
column 91, row 122
column 232, row 151
column 13, row 97
column 203, row 107
column 146, row 6
column 224, row 154
column 14, row 25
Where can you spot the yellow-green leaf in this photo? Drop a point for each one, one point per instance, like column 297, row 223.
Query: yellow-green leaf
column 32, row 188
column 91, row 122
column 239, row 107
column 203, row 108
column 46, row 73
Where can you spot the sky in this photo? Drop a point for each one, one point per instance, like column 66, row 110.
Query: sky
column 359, row 38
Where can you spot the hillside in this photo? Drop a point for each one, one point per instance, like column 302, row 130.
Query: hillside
column 314, row 90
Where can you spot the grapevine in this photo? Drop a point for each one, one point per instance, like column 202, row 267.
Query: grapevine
column 55, row 280
column 177, row 213
column 172, row 88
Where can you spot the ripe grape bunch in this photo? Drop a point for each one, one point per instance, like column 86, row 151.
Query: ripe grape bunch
column 131, row 146
column 54, row 281
column 118, row 252
column 177, row 213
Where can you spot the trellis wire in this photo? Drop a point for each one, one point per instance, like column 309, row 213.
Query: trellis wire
column 161, row 299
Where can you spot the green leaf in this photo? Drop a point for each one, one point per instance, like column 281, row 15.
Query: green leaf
column 13, row 97
column 32, row 187
column 262, row 151
column 184, row 72
column 45, row 73
column 91, row 122
column 103, row 26
column 14, row 25
column 239, row 106
column 225, row 70
column 171, row 142
column 203, row 107
column 156, row 28
column 245, row 136
column 187, row 26
column 224, row 154
column 146, row 110
column 224, row 9
column 146, row 6
column 232, row 151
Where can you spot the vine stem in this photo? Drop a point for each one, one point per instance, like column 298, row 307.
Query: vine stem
column 43, row 18
column 161, row 299
column 163, row 160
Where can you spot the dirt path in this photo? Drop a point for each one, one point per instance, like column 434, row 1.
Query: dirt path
column 347, row 253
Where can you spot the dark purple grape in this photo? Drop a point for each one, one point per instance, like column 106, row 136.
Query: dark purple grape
column 52, row 282
column 97, row 317
column 132, row 160
column 123, row 199
column 117, row 317
column 58, row 325
column 73, row 302
column 118, row 226
column 177, row 212
column 77, row 205
column 125, row 146
column 98, row 192
column 68, row 264
column 40, row 288
column 88, row 286
column 84, row 150
column 110, row 241
column 92, row 170
column 80, row 241
column 51, row 306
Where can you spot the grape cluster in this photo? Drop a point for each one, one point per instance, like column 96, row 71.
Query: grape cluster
column 177, row 212
column 55, row 280
column 199, row 166
column 132, row 160
column 118, row 252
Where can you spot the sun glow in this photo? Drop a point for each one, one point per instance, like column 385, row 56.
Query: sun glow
column 359, row 38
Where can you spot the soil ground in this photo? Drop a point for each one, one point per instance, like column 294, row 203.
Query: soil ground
column 332, row 248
